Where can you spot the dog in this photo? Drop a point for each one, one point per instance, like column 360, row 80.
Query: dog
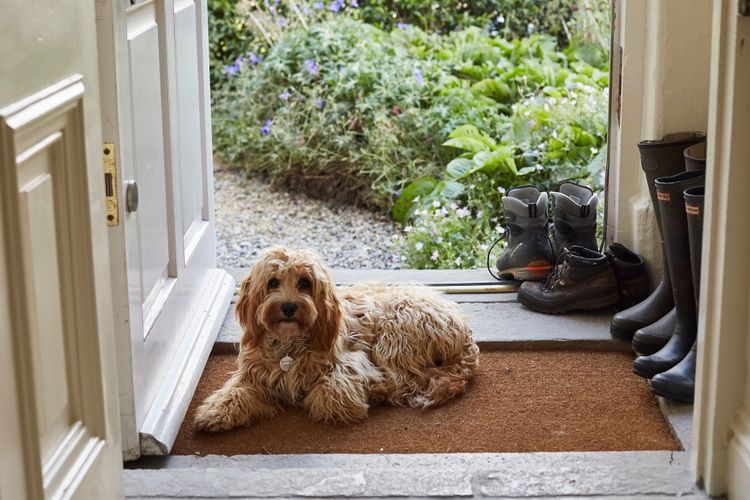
column 336, row 352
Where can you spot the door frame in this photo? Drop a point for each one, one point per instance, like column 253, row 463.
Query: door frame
column 722, row 406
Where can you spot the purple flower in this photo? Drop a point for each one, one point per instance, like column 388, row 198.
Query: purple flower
column 336, row 5
column 311, row 66
column 266, row 129
column 418, row 76
column 318, row 5
column 402, row 25
column 280, row 22
column 231, row 70
column 284, row 96
column 320, row 103
column 354, row 3
column 306, row 9
column 272, row 8
column 239, row 60
column 253, row 58
column 398, row 194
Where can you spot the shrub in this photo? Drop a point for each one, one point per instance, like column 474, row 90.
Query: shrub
column 346, row 111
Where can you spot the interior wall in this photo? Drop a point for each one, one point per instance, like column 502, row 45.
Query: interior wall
column 660, row 83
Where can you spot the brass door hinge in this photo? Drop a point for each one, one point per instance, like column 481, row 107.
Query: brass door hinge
column 110, row 185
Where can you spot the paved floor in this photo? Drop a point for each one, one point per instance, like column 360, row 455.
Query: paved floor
column 499, row 322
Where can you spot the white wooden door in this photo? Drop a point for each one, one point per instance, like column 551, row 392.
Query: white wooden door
column 172, row 299
column 60, row 436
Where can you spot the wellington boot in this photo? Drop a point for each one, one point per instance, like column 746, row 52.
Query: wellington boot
column 651, row 338
column 584, row 280
column 659, row 158
column 630, row 270
column 695, row 157
column 677, row 245
column 679, row 382
column 528, row 256
column 573, row 217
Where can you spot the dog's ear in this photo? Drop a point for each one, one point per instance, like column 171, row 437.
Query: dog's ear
column 329, row 319
column 251, row 296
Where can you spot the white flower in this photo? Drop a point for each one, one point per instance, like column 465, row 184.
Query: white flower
column 501, row 190
column 434, row 255
column 479, row 214
column 419, row 245
column 458, row 261
column 436, row 204
column 454, row 205
column 403, row 257
column 500, row 229
column 416, row 199
column 472, row 186
column 408, row 229
column 439, row 239
column 594, row 151
column 462, row 212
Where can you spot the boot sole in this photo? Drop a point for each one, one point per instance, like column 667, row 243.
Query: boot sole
column 590, row 304
column 536, row 271
column 680, row 398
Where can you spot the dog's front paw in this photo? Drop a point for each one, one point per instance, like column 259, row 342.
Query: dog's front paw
column 214, row 417
column 325, row 403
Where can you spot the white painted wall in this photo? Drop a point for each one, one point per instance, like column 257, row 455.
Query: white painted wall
column 663, row 47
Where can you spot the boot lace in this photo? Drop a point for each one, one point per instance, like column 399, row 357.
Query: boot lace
column 557, row 272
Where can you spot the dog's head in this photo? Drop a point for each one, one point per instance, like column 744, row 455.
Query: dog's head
column 289, row 295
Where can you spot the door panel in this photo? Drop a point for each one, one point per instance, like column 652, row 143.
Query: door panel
column 45, row 197
column 189, row 131
column 144, row 70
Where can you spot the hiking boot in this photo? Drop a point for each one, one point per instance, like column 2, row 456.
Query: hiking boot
column 584, row 280
column 574, row 217
column 630, row 271
column 528, row 255
column 659, row 158
column 677, row 245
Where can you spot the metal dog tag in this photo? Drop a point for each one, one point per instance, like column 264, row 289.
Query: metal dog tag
column 286, row 363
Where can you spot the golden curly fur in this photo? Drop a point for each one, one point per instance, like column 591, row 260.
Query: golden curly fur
column 364, row 344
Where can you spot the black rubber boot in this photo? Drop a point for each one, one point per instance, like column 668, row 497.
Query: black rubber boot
column 573, row 217
column 651, row 338
column 677, row 245
column 528, row 256
column 659, row 158
column 695, row 157
column 630, row 271
column 584, row 280
column 678, row 383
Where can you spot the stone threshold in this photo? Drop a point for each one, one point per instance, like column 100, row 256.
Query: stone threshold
column 499, row 322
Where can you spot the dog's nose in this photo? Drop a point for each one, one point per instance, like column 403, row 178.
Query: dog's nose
column 289, row 308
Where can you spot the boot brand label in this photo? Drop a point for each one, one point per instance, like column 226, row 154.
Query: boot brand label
column 692, row 209
column 663, row 196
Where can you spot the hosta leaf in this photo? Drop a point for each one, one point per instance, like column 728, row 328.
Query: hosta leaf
column 468, row 143
column 457, row 169
column 405, row 202
column 500, row 160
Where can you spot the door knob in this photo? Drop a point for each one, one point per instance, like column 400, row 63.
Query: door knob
column 131, row 196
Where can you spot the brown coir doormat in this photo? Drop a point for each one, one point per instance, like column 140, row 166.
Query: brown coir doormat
column 520, row 401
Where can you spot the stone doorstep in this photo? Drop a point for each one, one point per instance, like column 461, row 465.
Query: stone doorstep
column 508, row 475
column 497, row 319
column 634, row 474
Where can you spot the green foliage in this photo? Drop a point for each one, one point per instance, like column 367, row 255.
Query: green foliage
column 432, row 125
column 228, row 38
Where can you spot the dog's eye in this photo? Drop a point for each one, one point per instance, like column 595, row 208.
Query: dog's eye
column 273, row 283
column 303, row 284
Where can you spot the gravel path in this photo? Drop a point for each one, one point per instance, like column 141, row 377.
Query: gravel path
column 250, row 218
